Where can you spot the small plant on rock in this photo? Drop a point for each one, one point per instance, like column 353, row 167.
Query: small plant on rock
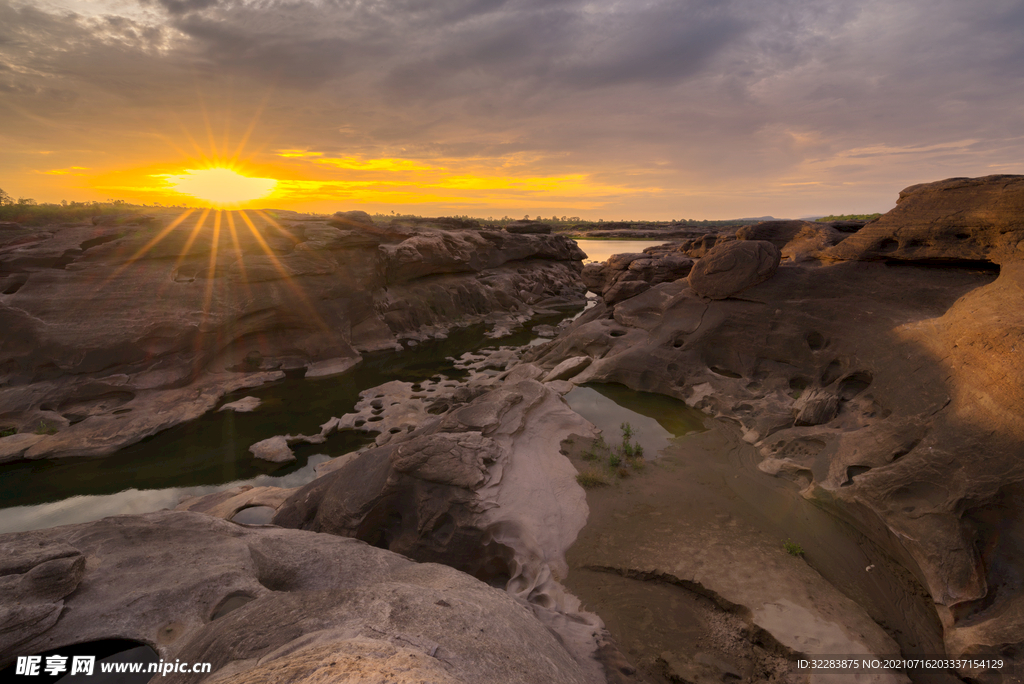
column 8, row 431
column 793, row 549
column 46, row 428
column 614, row 460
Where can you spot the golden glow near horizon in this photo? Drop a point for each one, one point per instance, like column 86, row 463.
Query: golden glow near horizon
column 221, row 186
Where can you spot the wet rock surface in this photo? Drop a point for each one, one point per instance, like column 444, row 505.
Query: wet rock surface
column 116, row 331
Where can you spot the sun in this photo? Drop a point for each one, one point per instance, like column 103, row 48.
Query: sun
column 221, row 186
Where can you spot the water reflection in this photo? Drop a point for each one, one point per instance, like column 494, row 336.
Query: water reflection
column 654, row 418
column 600, row 250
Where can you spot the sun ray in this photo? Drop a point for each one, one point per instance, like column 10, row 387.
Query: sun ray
column 277, row 226
column 300, row 295
column 209, row 129
column 148, row 246
column 192, row 237
column 241, row 257
column 211, row 271
column 203, row 158
column 196, row 229
column 252, row 126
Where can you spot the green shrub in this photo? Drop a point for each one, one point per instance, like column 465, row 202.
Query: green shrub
column 627, row 432
column 793, row 549
column 614, row 460
column 8, row 431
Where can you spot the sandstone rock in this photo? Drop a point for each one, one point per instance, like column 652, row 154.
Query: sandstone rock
column 958, row 219
column 226, row 504
column 273, row 449
column 266, row 604
column 796, row 240
column 243, row 405
column 34, row 579
column 848, row 226
column 13, row 447
column 568, row 368
column 733, row 267
column 145, row 305
column 909, row 385
column 624, row 276
column 816, row 407
column 477, row 488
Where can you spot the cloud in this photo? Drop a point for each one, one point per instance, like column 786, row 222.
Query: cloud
column 677, row 94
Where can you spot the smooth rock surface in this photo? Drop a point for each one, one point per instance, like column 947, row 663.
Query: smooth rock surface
column 730, row 268
column 243, row 405
column 311, row 596
column 273, row 449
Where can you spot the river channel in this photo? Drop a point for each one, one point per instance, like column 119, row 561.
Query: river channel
column 212, row 452
column 712, row 470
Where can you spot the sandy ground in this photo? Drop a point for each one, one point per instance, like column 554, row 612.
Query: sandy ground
column 685, row 562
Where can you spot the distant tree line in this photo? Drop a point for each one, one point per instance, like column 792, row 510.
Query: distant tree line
column 27, row 211
column 848, row 217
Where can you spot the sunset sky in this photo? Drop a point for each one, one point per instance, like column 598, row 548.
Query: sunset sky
column 665, row 109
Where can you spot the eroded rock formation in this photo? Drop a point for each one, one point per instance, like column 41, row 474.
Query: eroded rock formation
column 882, row 373
column 114, row 332
column 267, row 604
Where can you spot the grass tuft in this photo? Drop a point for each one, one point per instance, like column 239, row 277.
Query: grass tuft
column 589, row 479
column 46, row 428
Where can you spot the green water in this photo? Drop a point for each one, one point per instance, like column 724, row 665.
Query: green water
column 654, row 418
column 203, row 455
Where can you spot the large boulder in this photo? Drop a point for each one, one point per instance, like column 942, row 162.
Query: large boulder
column 264, row 604
column 730, row 268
